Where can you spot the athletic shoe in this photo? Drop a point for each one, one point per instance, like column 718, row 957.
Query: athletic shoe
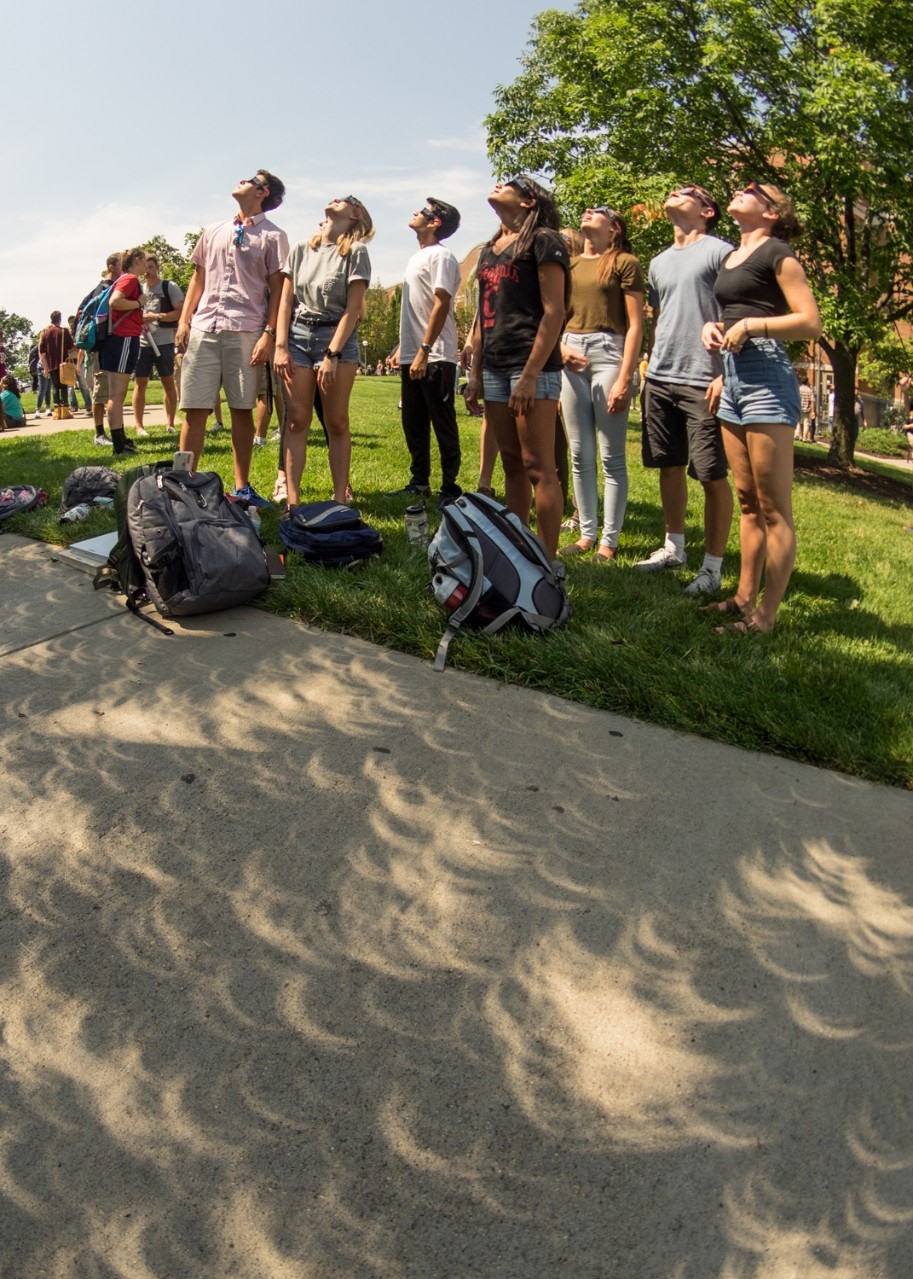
column 259, row 443
column 48, row 412
column 250, row 495
column 217, row 426
column 171, row 430
column 570, row 525
column 665, row 557
column 141, row 432
column 411, row 490
column 103, row 441
column 275, row 437
column 706, row 582
column 129, row 447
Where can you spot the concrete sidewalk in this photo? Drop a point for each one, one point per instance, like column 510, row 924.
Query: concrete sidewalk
column 316, row 964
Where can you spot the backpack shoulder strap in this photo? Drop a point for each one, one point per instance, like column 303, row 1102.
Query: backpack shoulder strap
column 464, row 533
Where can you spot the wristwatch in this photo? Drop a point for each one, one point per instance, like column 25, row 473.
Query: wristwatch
column 427, row 348
column 267, row 329
column 333, row 355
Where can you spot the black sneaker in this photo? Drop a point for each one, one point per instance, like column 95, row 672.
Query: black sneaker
column 129, row 447
column 412, row 490
column 449, row 493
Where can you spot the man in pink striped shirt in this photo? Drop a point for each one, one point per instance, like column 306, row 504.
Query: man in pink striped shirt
column 228, row 324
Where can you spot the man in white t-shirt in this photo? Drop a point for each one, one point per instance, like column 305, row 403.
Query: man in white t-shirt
column 682, row 387
column 427, row 352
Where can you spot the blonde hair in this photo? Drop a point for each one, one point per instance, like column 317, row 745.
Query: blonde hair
column 362, row 231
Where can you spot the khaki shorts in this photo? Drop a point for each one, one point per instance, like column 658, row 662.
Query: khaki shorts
column 214, row 360
column 99, row 380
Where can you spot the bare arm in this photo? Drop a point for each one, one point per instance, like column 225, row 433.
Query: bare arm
column 263, row 351
column 803, row 320
column 355, row 297
column 282, row 361
column 191, row 302
column 620, row 394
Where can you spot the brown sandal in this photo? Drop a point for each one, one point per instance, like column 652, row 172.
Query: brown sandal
column 731, row 607
column 748, row 626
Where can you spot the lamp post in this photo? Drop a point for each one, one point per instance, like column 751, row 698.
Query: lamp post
column 364, row 347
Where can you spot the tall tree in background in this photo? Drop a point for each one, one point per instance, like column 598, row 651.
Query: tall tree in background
column 621, row 99
column 380, row 327
column 173, row 264
column 17, row 338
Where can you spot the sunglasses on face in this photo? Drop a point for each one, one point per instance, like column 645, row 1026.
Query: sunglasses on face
column 350, row 199
column 603, row 209
column 252, row 182
column 520, row 185
column 752, row 188
column 689, row 190
column 427, row 214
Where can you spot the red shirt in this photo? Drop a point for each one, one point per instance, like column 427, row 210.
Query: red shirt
column 127, row 324
column 55, row 345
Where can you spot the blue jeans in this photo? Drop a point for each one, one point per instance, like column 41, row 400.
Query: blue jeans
column 86, row 398
column 584, row 406
column 44, row 392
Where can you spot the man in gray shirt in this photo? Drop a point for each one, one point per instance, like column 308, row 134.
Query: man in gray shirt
column 162, row 304
column 683, row 385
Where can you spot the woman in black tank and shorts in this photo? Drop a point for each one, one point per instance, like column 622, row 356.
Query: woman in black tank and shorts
column 766, row 301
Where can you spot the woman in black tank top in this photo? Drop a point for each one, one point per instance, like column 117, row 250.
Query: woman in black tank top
column 765, row 300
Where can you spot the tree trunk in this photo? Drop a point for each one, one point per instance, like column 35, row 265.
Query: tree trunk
column 843, row 362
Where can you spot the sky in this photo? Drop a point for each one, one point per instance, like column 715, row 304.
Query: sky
column 384, row 100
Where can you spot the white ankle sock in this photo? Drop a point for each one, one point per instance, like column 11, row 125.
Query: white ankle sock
column 713, row 562
column 676, row 542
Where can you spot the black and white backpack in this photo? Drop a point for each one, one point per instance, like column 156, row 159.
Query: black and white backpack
column 488, row 570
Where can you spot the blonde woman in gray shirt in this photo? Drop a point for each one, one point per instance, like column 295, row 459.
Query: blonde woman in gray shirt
column 326, row 278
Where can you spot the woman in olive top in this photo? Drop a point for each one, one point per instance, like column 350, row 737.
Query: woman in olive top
column 326, row 278
column 601, row 347
column 766, row 301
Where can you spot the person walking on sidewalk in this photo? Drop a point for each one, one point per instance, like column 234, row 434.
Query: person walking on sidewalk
column 683, row 385
column 162, row 304
column 54, row 347
column 427, row 352
column 228, row 324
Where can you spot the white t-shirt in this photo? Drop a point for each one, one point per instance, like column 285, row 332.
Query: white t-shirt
column 433, row 267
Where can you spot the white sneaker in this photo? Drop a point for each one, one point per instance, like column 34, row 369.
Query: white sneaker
column 259, row 443
column 102, row 441
column 665, row 557
column 49, row 413
column 170, row 430
column 707, row 582
column 217, row 426
column 141, row 432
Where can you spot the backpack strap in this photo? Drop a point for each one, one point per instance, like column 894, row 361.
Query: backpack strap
column 465, row 534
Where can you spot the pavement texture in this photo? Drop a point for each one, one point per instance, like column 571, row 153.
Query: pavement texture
column 315, row 964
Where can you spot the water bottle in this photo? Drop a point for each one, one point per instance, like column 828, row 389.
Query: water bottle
column 254, row 516
column 75, row 513
column 417, row 525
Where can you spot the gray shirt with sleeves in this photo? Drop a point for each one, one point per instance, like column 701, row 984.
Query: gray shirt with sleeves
column 681, row 286
column 321, row 277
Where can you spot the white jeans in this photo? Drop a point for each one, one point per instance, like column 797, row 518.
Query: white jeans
column 584, row 405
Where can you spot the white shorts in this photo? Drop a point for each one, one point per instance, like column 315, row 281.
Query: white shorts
column 214, row 360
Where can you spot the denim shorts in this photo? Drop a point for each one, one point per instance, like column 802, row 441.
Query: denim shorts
column 759, row 385
column 498, row 386
column 309, row 343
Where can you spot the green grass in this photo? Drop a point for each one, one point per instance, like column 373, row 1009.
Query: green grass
column 833, row 686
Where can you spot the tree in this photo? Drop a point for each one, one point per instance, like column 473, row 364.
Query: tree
column 621, row 99
column 380, row 327
column 17, row 338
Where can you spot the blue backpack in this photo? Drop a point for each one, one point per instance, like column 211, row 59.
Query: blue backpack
column 329, row 534
column 93, row 319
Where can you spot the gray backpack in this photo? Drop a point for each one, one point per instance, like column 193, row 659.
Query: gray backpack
column 87, row 483
column 489, row 571
column 198, row 551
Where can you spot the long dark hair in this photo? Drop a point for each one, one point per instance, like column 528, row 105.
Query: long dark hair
column 544, row 213
column 618, row 244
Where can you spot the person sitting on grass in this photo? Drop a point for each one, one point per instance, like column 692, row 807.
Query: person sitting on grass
column 11, row 397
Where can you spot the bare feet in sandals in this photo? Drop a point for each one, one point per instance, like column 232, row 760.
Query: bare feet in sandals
column 731, row 607
column 747, row 626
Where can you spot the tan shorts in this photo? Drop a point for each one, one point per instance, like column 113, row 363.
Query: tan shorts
column 99, row 380
column 214, row 360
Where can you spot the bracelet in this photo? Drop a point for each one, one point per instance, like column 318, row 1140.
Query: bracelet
column 745, row 327
column 331, row 355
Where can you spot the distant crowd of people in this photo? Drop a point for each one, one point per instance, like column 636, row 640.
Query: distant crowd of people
column 560, row 322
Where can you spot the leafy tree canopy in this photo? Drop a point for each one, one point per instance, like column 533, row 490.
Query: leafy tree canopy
column 173, row 264
column 621, row 99
column 17, row 338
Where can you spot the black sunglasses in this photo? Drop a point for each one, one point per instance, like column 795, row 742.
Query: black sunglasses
column 753, row 188
column 428, row 214
column 602, row 208
column 352, row 199
column 521, row 185
column 254, row 182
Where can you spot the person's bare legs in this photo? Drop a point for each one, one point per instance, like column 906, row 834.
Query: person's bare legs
column 752, row 525
column 117, row 393
column 242, row 443
column 193, row 433
column 527, row 445
column 718, row 507
column 263, row 417
column 300, row 391
column 673, row 494
column 170, row 396
column 139, row 401
column 770, row 450
column 335, row 399
column 488, row 454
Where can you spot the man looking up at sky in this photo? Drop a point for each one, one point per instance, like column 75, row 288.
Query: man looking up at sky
column 683, row 386
column 427, row 352
column 228, row 324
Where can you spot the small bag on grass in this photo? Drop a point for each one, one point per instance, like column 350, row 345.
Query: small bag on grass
column 329, row 534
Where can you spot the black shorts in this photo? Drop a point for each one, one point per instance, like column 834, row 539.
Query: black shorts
column 678, row 430
column 163, row 363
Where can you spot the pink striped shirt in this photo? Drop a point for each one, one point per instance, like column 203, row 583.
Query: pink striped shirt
column 236, row 290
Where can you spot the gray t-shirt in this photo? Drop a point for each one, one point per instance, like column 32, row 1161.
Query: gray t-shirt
column 681, row 286
column 154, row 300
column 321, row 276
